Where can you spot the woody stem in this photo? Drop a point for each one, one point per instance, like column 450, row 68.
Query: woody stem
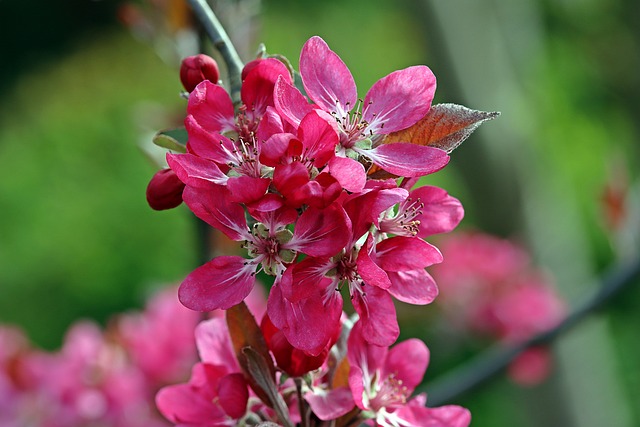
column 222, row 43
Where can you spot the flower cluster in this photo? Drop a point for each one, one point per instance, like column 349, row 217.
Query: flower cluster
column 317, row 185
column 287, row 177
column 489, row 287
column 98, row 378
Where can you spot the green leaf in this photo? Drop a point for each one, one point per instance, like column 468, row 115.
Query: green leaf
column 172, row 139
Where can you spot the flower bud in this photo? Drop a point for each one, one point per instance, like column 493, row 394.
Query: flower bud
column 197, row 68
column 164, row 190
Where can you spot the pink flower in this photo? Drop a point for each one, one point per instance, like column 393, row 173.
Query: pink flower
column 216, row 393
column 489, row 287
column 372, row 271
column 226, row 280
column 382, row 381
column 395, row 102
column 160, row 340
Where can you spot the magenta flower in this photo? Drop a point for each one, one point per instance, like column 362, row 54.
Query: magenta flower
column 382, row 381
column 395, row 102
column 216, row 394
column 373, row 272
column 226, row 280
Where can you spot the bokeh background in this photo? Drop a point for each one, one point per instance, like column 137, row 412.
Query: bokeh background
column 85, row 84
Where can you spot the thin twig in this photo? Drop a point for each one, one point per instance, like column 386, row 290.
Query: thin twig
column 487, row 365
column 222, row 43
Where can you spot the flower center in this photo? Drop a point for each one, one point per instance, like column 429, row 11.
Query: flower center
column 352, row 126
column 404, row 222
column 269, row 249
column 389, row 394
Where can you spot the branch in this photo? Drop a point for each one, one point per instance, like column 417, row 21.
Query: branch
column 222, row 43
column 491, row 363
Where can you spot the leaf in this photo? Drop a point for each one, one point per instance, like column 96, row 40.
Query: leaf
column 445, row 126
column 172, row 139
column 258, row 368
column 245, row 332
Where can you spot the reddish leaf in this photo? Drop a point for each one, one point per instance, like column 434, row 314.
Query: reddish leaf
column 445, row 126
column 245, row 332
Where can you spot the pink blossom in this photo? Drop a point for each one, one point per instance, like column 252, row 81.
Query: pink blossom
column 394, row 102
column 382, row 381
column 160, row 340
column 488, row 286
column 216, row 394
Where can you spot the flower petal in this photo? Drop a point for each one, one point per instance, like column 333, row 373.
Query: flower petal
column 399, row 100
column 413, row 286
column 195, row 171
column 290, row 103
column 441, row 212
column 402, row 253
column 219, row 284
column 332, row 404
column 321, row 232
column 408, row 160
column 408, row 362
column 326, row 78
column 214, row 206
column 211, row 107
column 378, row 316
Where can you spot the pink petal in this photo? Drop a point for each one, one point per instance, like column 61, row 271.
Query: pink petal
column 233, row 395
column 400, row 99
column 365, row 209
column 181, row 404
column 443, row 416
column 378, row 316
column 326, row 78
column 307, row 278
column 219, row 284
column 402, row 253
column 211, row 107
column 308, row 324
column 404, row 159
column 321, row 232
column 206, row 144
column 290, row 103
column 214, row 206
column 413, row 286
column 332, row 404
column 195, row 171
column 214, row 344
column 370, row 272
column 441, row 212
column 408, row 362
column 257, row 88
column 270, row 124
column 349, row 172
column 275, row 149
column 361, row 353
column 319, row 135
column 247, row 189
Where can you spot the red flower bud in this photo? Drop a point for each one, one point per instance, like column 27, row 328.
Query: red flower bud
column 197, row 68
column 164, row 190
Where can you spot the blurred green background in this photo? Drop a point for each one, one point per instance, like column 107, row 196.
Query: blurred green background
column 85, row 84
